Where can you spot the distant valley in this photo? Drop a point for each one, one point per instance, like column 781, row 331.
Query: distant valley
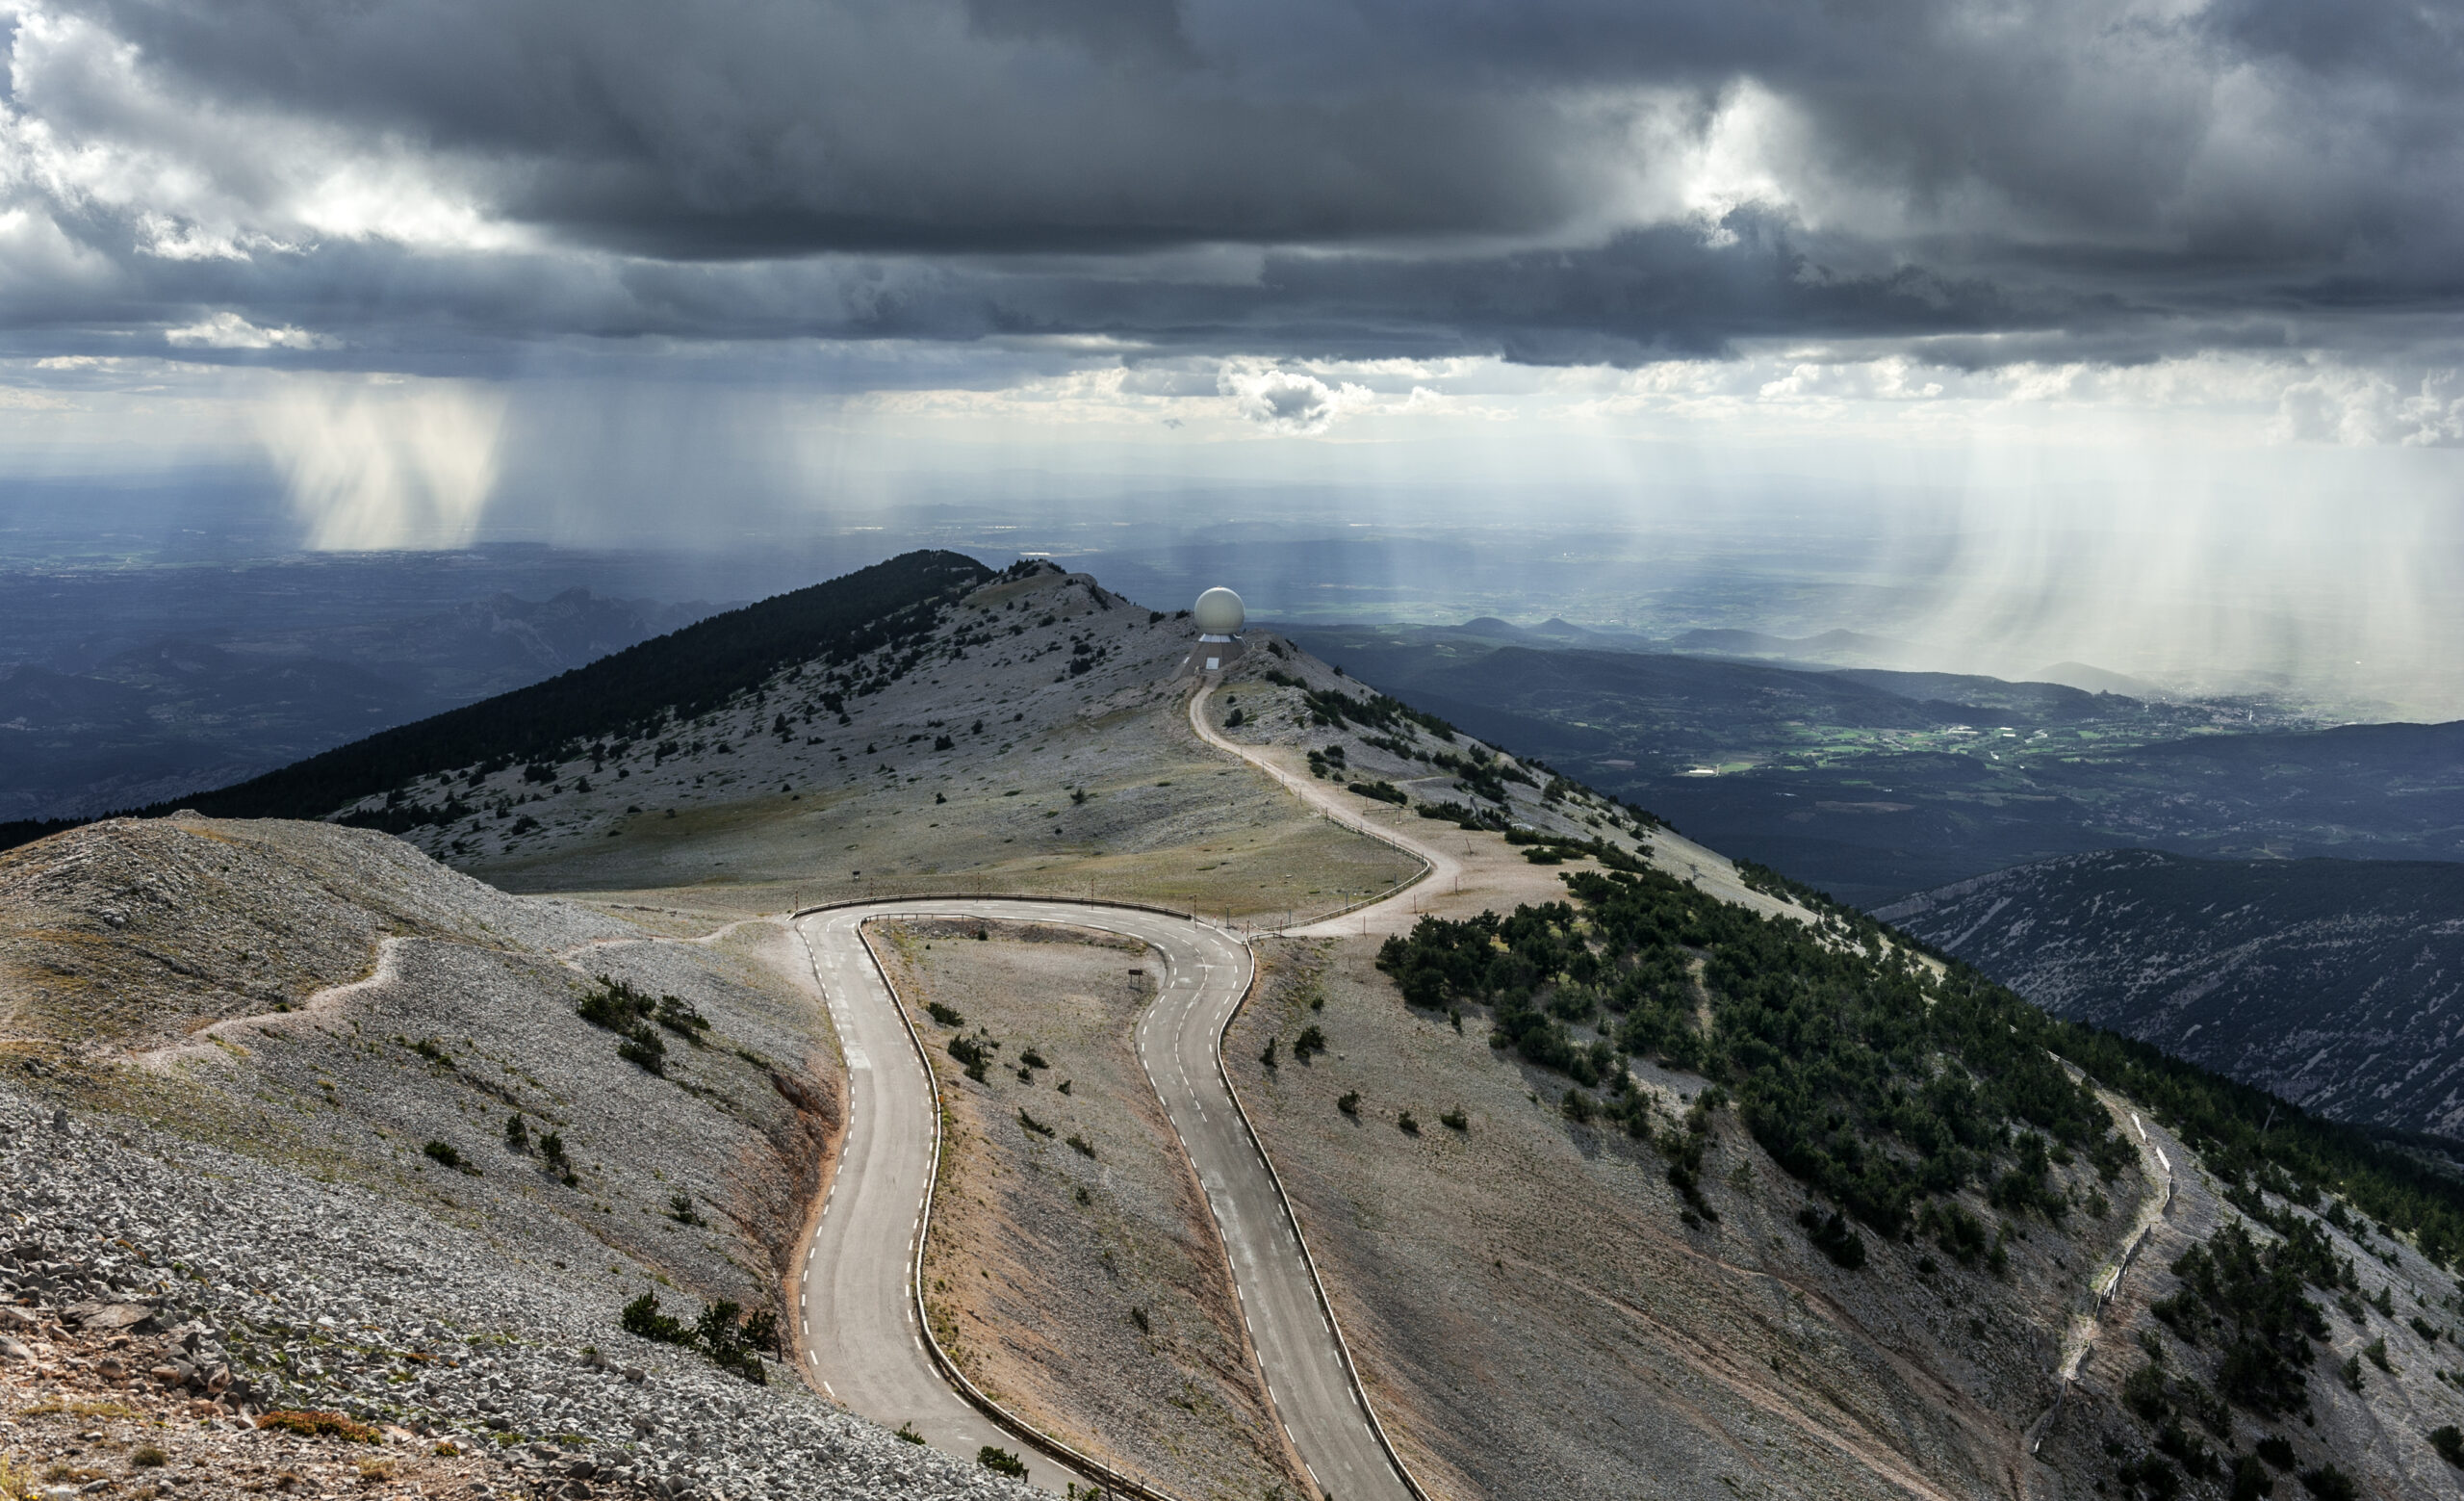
column 1872, row 783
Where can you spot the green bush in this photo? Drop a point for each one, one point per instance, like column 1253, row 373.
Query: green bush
column 2155, row 1475
column 616, row 1006
column 1001, row 1462
column 1454, row 1121
column 2251, row 1294
column 1031, row 1123
column 642, row 1318
column 729, row 1343
column 974, row 1054
column 680, row 1017
column 1381, row 791
column 947, row 1016
column 1349, row 1103
column 1309, row 1044
column 2449, row 1442
column 444, row 1155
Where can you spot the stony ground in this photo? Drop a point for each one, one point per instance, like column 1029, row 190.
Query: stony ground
column 1535, row 1318
column 255, row 1291
column 1044, row 1258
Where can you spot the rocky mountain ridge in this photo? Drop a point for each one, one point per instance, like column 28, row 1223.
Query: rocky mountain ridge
column 2333, row 983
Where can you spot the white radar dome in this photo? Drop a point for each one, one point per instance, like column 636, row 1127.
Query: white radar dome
column 1219, row 612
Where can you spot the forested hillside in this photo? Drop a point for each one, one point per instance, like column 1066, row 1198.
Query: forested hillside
column 1923, row 1108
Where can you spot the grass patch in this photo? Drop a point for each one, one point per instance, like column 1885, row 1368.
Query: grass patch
column 85, row 1407
column 320, row 1424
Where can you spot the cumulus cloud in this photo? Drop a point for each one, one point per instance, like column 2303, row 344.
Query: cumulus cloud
column 1290, row 402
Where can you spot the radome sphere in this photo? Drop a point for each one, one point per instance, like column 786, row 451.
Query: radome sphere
column 1220, row 612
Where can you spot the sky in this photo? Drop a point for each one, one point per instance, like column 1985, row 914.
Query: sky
column 2166, row 293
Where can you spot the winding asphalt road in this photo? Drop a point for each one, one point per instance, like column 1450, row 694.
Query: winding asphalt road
column 856, row 1300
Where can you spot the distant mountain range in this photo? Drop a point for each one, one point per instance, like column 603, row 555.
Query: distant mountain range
column 2337, row 984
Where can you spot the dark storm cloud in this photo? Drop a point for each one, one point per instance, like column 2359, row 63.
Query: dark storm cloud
column 1509, row 176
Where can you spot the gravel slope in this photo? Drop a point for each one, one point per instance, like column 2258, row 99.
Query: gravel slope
column 328, row 1296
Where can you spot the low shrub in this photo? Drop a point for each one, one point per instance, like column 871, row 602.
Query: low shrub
column 1082, row 1145
column 1833, row 1238
column 974, row 1054
column 1033, row 1125
column 2330, row 1484
column 320, row 1424
column 1408, row 1123
column 1454, row 1121
column 1001, row 1462
column 1309, row 1044
column 443, row 1155
column 1349, row 1104
column 947, row 1016
column 148, row 1457
column 729, row 1343
column 2449, row 1440
column 642, row 1319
